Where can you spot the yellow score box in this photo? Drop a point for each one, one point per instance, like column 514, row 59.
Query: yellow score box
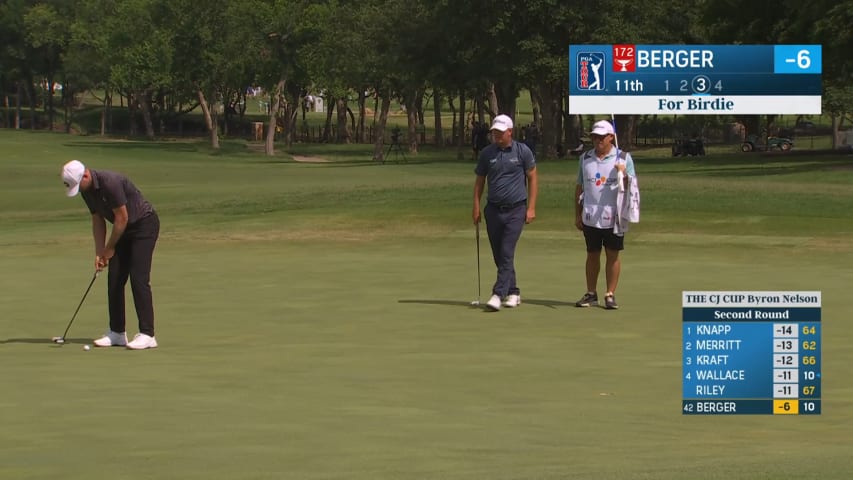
column 786, row 407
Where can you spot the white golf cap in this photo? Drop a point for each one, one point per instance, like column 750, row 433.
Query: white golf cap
column 502, row 123
column 602, row 127
column 72, row 174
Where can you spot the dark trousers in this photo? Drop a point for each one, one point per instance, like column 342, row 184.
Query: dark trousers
column 504, row 226
column 132, row 259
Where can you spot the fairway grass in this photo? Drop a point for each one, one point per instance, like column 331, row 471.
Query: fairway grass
column 314, row 323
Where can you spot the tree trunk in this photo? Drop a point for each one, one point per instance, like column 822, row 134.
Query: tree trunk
column 131, row 113
column 537, row 107
column 352, row 124
column 506, row 94
column 49, row 102
column 110, row 126
column 410, row 101
column 18, row 106
column 30, row 90
column 294, row 115
column 362, row 112
column 436, row 108
column 104, row 113
column 327, row 127
column 461, row 139
column 626, row 128
column 419, row 105
column 493, row 100
column 379, row 139
column 835, row 127
column 209, row 120
column 161, row 120
column 145, row 105
column 572, row 124
column 375, row 108
column 481, row 108
column 344, row 135
column 305, row 106
column 275, row 103
column 453, row 121
column 547, row 96
column 287, row 112
column 67, row 104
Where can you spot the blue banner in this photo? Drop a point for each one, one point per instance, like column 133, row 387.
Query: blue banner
column 634, row 70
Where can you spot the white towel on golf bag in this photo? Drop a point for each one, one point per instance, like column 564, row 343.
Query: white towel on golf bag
column 627, row 206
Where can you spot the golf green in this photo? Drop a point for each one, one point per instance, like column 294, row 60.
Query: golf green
column 314, row 322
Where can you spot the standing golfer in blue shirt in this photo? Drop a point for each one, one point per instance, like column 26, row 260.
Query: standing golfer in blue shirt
column 510, row 169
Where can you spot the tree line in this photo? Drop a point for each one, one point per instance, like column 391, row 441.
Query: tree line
column 164, row 58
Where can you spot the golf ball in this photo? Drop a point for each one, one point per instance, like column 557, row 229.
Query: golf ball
column 86, row 347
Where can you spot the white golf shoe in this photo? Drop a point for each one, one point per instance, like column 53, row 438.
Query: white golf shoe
column 142, row 341
column 512, row 301
column 111, row 339
column 494, row 303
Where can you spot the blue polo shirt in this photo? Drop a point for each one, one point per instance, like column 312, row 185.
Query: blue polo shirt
column 506, row 170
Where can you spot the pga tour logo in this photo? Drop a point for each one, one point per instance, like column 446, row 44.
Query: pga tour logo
column 590, row 73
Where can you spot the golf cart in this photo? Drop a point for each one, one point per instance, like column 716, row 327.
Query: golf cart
column 754, row 143
column 688, row 146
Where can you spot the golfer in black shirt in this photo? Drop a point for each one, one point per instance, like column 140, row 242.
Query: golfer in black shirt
column 128, row 250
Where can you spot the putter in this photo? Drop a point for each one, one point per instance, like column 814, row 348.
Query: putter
column 61, row 340
column 476, row 302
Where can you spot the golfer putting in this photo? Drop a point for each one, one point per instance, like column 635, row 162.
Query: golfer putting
column 127, row 251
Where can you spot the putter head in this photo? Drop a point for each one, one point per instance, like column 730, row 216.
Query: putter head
column 58, row 340
column 475, row 303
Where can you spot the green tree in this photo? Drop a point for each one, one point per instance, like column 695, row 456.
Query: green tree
column 47, row 34
column 140, row 53
column 832, row 29
column 86, row 59
column 19, row 57
column 288, row 27
column 792, row 22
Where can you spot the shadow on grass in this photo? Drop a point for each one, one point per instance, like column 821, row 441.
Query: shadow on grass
column 548, row 303
column 343, row 163
column 227, row 148
column 481, row 305
column 48, row 341
column 127, row 145
column 329, row 164
column 449, row 303
column 362, row 154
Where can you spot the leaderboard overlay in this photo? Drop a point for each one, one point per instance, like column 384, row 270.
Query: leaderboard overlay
column 695, row 79
column 751, row 353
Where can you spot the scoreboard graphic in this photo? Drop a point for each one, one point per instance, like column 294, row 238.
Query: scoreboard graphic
column 695, row 79
column 751, row 353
